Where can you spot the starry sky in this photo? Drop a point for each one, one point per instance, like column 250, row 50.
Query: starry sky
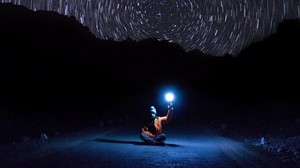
column 215, row 27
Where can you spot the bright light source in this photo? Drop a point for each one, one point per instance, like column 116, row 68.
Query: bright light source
column 169, row 97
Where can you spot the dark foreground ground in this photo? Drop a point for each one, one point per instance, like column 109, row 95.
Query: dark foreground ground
column 279, row 136
column 121, row 147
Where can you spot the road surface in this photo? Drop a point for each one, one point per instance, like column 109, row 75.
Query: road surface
column 121, row 147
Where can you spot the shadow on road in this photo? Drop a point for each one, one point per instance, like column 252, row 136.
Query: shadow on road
column 132, row 142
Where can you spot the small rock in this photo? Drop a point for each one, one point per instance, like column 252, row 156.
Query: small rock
column 262, row 141
column 278, row 150
column 25, row 139
column 44, row 137
column 224, row 126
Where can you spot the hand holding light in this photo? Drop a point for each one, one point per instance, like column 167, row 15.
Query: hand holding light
column 170, row 106
column 170, row 97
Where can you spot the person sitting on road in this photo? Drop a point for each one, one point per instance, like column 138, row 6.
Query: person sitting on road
column 151, row 130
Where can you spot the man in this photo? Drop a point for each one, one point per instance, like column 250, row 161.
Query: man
column 151, row 131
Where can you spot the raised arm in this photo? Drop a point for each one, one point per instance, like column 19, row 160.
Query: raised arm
column 169, row 115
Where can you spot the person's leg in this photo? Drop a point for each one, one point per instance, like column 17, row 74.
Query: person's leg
column 160, row 138
column 146, row 138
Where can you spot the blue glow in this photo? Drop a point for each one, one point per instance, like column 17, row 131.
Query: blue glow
column 169, row 97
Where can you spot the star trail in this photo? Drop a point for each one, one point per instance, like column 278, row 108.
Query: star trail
column 215, row 27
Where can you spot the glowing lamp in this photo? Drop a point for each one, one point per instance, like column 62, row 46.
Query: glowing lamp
column 169, row 97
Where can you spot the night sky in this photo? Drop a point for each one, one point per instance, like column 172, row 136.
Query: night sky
column 215, row 27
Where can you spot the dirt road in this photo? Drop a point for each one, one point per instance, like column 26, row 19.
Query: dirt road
column 122, row 147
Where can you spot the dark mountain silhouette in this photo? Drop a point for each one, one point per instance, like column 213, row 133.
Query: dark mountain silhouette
column 275, row 61
column 269, row 66
column 52, row 47
column 54, row 70
column 265, row 73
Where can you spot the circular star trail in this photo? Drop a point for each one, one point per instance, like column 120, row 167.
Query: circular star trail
column 215, row 27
